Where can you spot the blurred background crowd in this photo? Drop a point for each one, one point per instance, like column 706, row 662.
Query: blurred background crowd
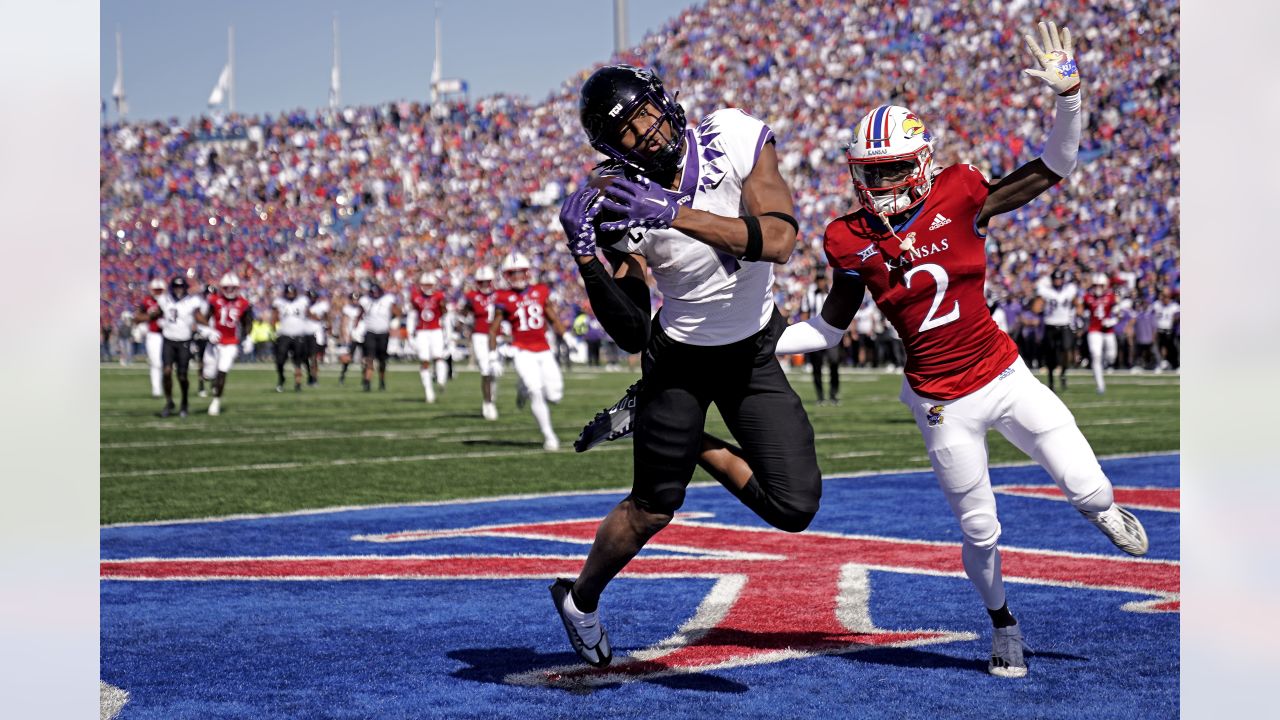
column 333, row 201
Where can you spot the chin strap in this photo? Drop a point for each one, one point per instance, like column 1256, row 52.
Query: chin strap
column 903, row 245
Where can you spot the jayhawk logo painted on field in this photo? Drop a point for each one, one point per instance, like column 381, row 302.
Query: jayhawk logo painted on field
column 308, row 603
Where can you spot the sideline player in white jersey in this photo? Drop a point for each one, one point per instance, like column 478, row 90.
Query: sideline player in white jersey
column 179, row 312
column 317, row 316
column 148, row 312
column 428, row 333
column 289, row 316
column 1060, row 299
column 231, row 317
column 706, row 210
column 378, row 309
column 530, row 310
column 918, row 243
column 479, row 302
column 350, row 332
column 1100, row 305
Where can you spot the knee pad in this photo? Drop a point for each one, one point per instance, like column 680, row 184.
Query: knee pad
column 793, row 521
column 661, row 501
column 981, row 528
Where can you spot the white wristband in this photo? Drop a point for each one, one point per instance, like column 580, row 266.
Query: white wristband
column 808, row 336
column 1063, row 145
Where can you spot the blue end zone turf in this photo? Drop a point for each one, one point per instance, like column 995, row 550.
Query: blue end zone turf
column 457, row 644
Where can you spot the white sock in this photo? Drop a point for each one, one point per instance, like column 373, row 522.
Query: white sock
column 156, row 387
column 982, row 565
column 588, row 624
column 541, row 413
column 1096, row 365
column 426, row 384
column 442, row 372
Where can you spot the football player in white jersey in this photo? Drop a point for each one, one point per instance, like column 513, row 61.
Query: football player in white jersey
column 1059, row 318
column 289, row 316
column 180, row 313
column 350, row 332
column 149, row 312
column 706, row 210
column 317, row 316
column 380, row 308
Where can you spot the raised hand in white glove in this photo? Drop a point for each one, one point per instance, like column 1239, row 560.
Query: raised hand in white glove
column 1056, row 59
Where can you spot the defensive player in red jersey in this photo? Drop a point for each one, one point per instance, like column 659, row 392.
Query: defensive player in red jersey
column 231, row 316
column 1100, row 304
column 480, row 305
column 428, row 335
column 529, row 309
column 149, row 312
column 918, row 244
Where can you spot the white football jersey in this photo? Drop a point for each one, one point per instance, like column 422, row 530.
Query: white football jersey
column 377, row 313
column 710, row 297
column 178, row 320
column 293, row 316
column 1059, row 304
column 316, row 316
column 1165, row 314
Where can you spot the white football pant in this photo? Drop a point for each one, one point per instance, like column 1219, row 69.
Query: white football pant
column 1036, row 421
column 480, row 351
column 542, row 379
column 1102, row 353
column 155, row 343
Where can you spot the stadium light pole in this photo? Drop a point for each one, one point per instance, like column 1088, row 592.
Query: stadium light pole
column 619, row 26
column 117, row 89
column 436, row 66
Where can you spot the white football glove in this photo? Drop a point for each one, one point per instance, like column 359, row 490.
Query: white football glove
column 1056, row 58
column 208, row 333
column 246, row 347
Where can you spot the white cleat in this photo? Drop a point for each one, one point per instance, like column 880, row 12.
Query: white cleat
column 551, row 444
column 1121, row 527
column 215, row 407
column 1007, row 648
column 489, row 411
column 586, row 634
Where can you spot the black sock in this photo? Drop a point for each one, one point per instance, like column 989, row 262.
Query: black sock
column 581, row 604
column 1002, row 617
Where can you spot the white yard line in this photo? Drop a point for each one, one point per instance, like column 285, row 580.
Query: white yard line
column 296, row 436
column 565, row 493
column 340, row 462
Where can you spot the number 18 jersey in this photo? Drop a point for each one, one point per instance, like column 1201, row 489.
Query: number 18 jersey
column 526, row 311
column 932, row 292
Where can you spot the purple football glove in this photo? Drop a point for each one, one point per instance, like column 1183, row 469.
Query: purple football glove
column 641, row 204
column 577, row 216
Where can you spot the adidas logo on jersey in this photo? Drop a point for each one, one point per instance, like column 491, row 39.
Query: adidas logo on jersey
column 938, row 221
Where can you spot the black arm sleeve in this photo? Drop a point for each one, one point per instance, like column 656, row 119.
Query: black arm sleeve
column 621, row 305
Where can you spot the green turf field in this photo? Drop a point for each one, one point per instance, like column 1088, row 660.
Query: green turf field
column 335, row 445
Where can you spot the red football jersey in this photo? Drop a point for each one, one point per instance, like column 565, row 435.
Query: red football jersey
column 1102, row 311
column 932, row 292
column 430, row 309
column 146, row 306
column 225, row 315
column 526, row 311
column 482, row 308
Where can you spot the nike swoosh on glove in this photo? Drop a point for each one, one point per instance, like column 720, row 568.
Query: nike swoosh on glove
column 577, row 217
column 641, row 203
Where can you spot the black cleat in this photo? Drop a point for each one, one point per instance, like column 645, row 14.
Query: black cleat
column 297, row 387
column 382, row 385
column 597, row 655
column 167, row 411
column 612, row 423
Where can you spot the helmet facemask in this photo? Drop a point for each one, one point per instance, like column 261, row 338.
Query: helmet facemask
column 894, row 184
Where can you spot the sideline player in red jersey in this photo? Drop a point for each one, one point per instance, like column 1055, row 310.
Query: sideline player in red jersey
column 231, row 316
column 480, row 305
column 529, row 309
column 1100, row 303
column 918, row 244
column 428, row 335
column 149, row 312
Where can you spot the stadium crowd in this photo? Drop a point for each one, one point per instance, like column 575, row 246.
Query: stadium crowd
column 333, row 201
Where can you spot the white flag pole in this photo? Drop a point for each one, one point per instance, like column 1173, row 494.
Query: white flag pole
column 335, row 75
column 231, row 68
